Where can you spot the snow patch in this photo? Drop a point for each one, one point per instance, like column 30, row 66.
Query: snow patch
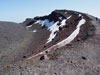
column 63, row 22
column 60, row 18
column 65, row 12
column 82, row 21
column 53, row 29
column 73, row 35
column 29, row 26
column 69, row 17
column 70, row 38
column 45, row 22
column 80, row 15
column 34, row 31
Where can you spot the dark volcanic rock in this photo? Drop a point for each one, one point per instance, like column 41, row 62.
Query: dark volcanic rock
column 79, row 55
column 54, row 16
column 28, row 21
column 72, row 19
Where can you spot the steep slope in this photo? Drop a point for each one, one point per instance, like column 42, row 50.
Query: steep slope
column 14, row 42
column 59, row 28
column 64, row 43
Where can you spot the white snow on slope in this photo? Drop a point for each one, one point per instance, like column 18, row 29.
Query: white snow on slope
column 63, row 22
column 60, row 18
column 70, row 38
column 45, row 22
column 73, row 35
column 65, row 41
column 34, row 31
column 82, row 21
column 27, row 27
column 65, row 12
column 80, row 15
column 69, row 17
column 54, row 28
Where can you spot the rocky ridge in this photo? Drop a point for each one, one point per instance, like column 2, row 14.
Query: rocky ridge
column 65, row 43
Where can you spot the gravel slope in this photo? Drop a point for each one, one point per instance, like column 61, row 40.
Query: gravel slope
column 14, row 42
column 77, row 58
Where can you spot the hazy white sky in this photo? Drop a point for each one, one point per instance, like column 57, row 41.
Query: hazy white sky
column 19, row 10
